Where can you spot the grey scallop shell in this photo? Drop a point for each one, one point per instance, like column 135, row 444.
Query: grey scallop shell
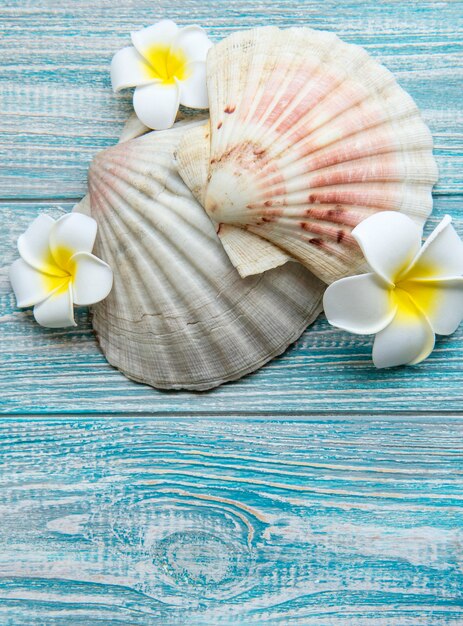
column 179, row 315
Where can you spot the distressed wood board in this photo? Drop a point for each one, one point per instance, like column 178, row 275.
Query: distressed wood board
column 317, row 491
column 214, row 522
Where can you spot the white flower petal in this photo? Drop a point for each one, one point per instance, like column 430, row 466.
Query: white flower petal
column 162, row 33
column 72, row 233
column 389, row 242
column 31, row 286
column 156, row 105
column 129, row 69
column 57, row 310
column 441, row 255
column 359, row 304
column 407, row 340
column 194, row 43
column 93, row 279
column 193, row 90
column 34, row 246
column 440, row 300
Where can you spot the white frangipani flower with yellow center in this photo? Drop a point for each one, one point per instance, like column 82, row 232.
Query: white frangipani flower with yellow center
column 167, row 65
column 411, row 293
column 57, row 270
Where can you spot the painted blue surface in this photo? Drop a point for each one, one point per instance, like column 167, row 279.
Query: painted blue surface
column 161, row 521
column 317, row 491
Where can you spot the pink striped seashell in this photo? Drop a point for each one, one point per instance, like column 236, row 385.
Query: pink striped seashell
column 308, row 137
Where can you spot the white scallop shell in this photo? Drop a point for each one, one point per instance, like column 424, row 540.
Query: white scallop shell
column 309, row 136
column 179, row 314
column 249, row 253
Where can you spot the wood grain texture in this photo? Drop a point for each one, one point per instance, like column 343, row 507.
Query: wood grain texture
column 63, row 371
column 57, row 108
column 315, row 523
column 316, row 492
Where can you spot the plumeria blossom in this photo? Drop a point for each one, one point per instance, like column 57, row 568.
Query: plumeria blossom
column 167, row 66
column 411, row 293
column 57, row 270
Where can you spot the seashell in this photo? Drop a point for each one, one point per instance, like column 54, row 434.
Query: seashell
column 309, row 136
column 179, row 314
column 249, row 253
column 132, row 128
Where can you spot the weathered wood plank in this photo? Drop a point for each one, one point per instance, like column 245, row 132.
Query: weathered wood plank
column 291, row 519
column 330, row 522
column 61, row 371
column 57, row 110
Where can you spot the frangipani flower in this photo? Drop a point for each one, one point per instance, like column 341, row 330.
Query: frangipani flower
column 411, row 293
column 167, row 65
column 57, row 269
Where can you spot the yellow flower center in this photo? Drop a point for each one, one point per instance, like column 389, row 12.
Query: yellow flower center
column 406, row 309
column 410, row 294
column 60, row 263
column 62, row 256
column 165, row 63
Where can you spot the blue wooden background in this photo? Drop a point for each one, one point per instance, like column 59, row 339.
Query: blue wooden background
column 317, row 491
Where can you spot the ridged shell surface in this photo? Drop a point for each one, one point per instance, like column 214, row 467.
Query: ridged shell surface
column 179, row 314
column 309, row 136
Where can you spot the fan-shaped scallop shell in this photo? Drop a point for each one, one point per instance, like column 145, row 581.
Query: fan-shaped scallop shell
column 179, row 314
column 309, row 136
